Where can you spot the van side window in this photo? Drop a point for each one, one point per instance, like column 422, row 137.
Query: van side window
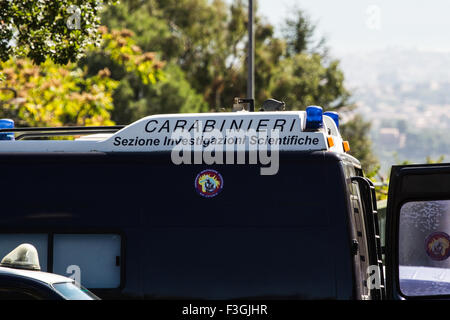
column 94, row 260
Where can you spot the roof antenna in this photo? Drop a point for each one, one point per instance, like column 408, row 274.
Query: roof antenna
column 239, row 104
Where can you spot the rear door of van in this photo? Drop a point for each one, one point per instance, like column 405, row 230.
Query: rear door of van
column 418, row 232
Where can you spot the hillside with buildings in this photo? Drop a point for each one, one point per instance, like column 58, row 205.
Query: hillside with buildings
column 405, row 93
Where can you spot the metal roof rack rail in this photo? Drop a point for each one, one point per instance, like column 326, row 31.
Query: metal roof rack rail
column 61, row 131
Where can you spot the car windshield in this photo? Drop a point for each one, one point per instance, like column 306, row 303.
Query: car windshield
column 71, row 291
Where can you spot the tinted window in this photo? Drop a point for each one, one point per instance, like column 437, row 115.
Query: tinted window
column 424, row 248
column 91, row 259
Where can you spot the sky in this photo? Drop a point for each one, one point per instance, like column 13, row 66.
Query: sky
column 368, row 25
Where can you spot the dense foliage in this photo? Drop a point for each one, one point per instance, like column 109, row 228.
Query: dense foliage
column 53, row 95
column 207, row 40
column 122, row 78
column 39, row 29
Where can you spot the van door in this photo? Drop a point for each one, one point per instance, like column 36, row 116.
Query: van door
column 369, row 215
column 418, row 232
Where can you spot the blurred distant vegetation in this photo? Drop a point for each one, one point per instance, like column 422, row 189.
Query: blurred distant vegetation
column 433, row 142
column 165, row 56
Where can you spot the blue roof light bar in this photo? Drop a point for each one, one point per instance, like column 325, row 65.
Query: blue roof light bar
column 6, row 124
column 314, row 117
column 333, row 115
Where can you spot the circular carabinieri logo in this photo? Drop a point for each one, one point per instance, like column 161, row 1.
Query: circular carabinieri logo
column 437, row 246
column 209, row 183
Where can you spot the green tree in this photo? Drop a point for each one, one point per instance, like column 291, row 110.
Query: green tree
column 134, row 100
column 204, row 38
column 204, row 44
column 59, row 30
column 300, row 33
column 139, row 94
column 214, row 58
column 304, row 79
column 309, row 76
column 54, row 95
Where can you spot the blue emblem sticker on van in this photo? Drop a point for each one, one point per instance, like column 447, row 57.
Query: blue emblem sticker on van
column 437, row 246
column 209, row 183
